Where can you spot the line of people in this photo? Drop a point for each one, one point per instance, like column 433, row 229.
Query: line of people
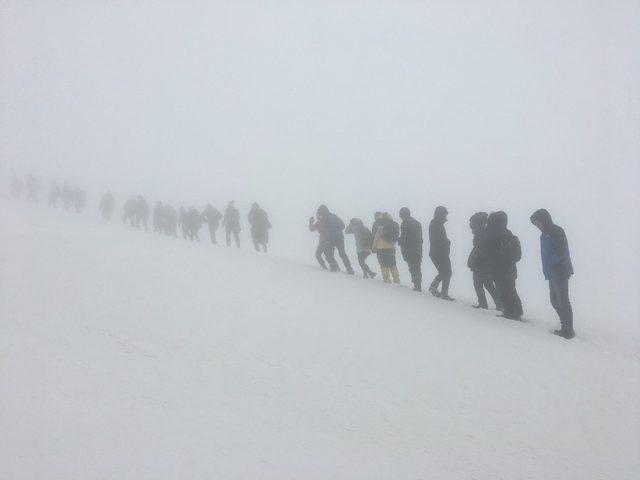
column 166, row 220
column 70, row 196
column 493, row 258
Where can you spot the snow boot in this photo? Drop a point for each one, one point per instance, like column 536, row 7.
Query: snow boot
column 484, row 307
column 566, row 334
column 434, row 291
column 386, row 274
column 395, row 274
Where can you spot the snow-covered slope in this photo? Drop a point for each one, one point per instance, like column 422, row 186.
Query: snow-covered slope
column 126, row 355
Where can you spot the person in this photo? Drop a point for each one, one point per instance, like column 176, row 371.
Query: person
column 106, row 205
column 67, row 195
column 79, row 199
column 158, row 217
column 385, row 235
column 410, row 242
column 439, row 250
column 334, row 229
column 193, row 222
column 33, row 185
column 16, row 187
column 478, row 262
column 183, row 222
column 260, row 225
column 130, row 212
column 504, row 252
column 316, row 226
column 54, row 194
column 212, row 217
column 231, row 221
column 364, row 242
column 170, row 221
column 142, row 212
column 557, row 269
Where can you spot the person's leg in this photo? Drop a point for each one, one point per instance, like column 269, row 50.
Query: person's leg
column 446, row 277
column 329, row 254
column 343, row 255
column 559, row 292
column 319, row 251
column 361, row 260
column 510, row 300
column 438, row 278
column 236, row 234
column 228, row 235
column 478, row 285
column 393, row 267
column 493, row 291
column 256, row 244
column 384, row 267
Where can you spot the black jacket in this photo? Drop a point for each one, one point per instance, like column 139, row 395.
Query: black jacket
column 479, row 261
column 333, row 227
column 439, row 244
column 410, row 238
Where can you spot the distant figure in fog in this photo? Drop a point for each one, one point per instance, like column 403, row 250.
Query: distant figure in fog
column 480, row 263
column 54, row 194
column 212, row 217
column 68, row 197
column 316, row 226
column 142, row 212
column 193, row 221
column 364, row 243
column 386, row 233
column 170, row 221
column 16, row 187
column 79, row 199
column 260, row 225
column 107, row 203
column 411, row 246
column 33, row 186
column 504, row 253
column 333, row 228
column 183, row 222
column 158, row 217
column 231, row 221
column 439, row 249
column 129, row 213
column 557, row 269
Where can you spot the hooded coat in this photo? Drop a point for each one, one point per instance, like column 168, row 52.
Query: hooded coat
column 503, row 247
column 380, row 241
column 554, row 247
column 410, row 238
column 363, row 236
column 479, row 261
column 259, row 221
column 439, row 244
column 332, row 225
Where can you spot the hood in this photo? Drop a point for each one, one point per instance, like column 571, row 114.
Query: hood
column 356, row 222
column 405, row 213
column 497, row 221
column 542, row 216
column 440, row 214
column 322, row 211
column 387, row 216
column 478, row 220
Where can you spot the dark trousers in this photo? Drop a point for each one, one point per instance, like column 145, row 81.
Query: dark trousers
column 506, row 285
column 212, row 233
column 482, row 282
column 362, row 260
column 559, row 294
column 236, row 235
column 415, row 269
column 319, row 252
column 443, row 265
column 330, row 255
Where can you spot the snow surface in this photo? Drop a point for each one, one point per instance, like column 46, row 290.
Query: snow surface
column 128, row 355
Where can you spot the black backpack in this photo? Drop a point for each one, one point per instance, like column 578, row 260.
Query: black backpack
column 390, row 232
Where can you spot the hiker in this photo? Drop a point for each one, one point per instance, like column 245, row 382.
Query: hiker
column 439, row 249
column 504, row 252
column 212, row 217
column 106, row 205
column 479, row 262
column 557, row 269
column 231, row 221
column 364, row 242
column 316, row 226
column 260, row 225
column 333, row 227
column 410, row 242
column 385, row 235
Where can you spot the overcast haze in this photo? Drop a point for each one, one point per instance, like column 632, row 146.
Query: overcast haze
column 364, row 106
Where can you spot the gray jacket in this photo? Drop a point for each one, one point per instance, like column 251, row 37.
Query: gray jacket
column 364, row 238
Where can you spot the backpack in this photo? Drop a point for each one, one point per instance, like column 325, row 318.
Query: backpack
column 390, row 232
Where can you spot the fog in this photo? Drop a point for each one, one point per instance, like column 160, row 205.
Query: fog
column 363, row 106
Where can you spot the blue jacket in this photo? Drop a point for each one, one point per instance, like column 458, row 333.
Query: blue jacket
column 554, row 248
